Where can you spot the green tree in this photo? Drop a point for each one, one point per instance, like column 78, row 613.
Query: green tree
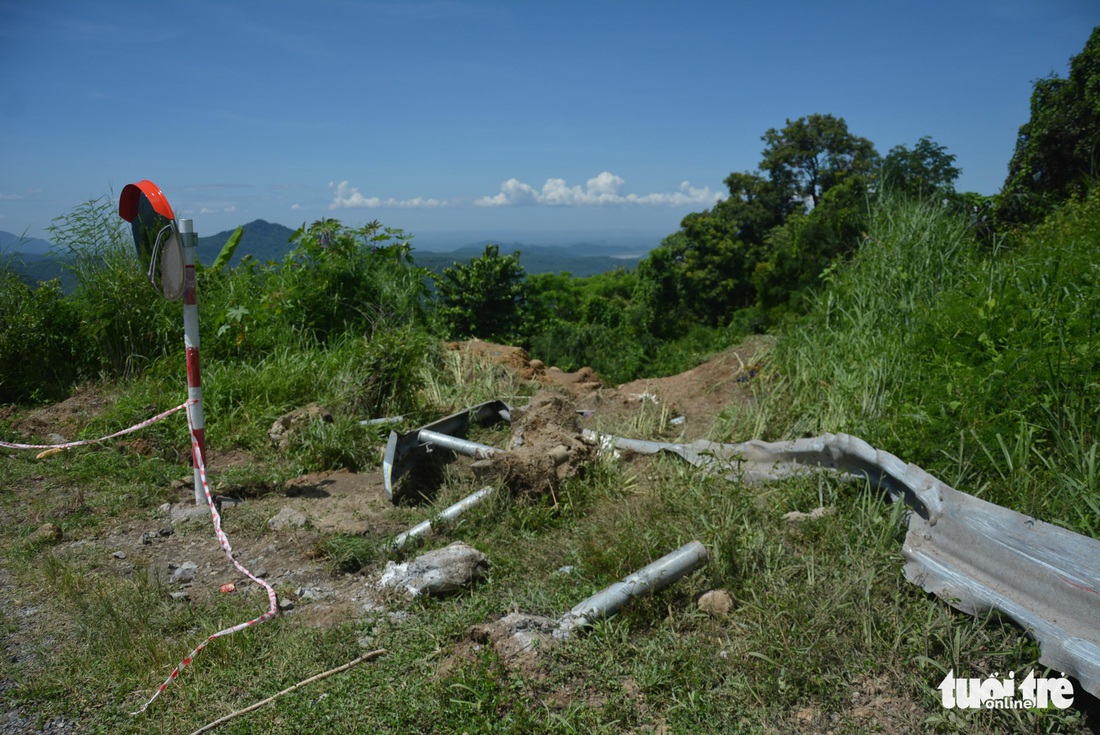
column 1058, row 149
column 720, row 258
column 926, row 170
column 484, row 298
column 813, row 154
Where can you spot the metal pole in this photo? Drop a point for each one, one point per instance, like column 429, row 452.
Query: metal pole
column 190, row 243
column 456, row 444
column 655, row 577
column 450, row 513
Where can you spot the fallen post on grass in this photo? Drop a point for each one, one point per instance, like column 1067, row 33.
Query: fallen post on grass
column 974, row 554
column 520, row 634
column 651, row 578
column 288, row 690
column 448, row 514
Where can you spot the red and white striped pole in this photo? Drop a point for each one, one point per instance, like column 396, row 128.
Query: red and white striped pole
column 190, row 242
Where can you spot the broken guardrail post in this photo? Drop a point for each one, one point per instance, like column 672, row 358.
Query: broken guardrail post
column 450, row 513
column 652, row 578
column 404, row 450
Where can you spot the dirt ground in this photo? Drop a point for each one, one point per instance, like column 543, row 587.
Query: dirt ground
column 343, row 502
column 276, row 533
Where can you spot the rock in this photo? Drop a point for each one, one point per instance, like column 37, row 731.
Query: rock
column 285, row 604
column 180, row 596
column 537, row 365
column 46, row 534
column 119, row 554
column 437, row 573
column 184, row 573
column 515, row 636
column 287, row 518
column 796, row 516
column 284, row 426
column 183, row 513
column 716, row 603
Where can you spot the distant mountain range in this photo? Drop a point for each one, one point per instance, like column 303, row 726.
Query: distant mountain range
column 268, row 241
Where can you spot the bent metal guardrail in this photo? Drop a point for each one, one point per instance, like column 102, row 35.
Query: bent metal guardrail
column 974, row 554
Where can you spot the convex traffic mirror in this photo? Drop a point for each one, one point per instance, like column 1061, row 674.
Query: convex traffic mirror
column 156, row 236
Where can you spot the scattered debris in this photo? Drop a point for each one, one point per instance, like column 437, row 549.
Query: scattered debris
column 437, row 573
column 410, row 454
column 546, row 448
column 518, row 636
column 972, row 553
column 797, row 516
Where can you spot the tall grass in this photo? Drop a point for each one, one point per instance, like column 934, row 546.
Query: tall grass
column 124, row 324
column 977, row 363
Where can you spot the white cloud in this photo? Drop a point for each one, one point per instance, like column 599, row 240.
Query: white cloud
column 349, row 197
column 296, row 207
column 599, row 191
column 218, row 210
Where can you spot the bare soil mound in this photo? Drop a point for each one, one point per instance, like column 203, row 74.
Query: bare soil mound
column 546, row 447
column 698, row 395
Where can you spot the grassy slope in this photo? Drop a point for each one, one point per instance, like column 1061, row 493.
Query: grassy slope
column 825, row 634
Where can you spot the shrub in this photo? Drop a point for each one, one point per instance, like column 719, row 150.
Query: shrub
column 39, row 354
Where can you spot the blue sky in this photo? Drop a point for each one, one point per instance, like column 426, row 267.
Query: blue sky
column 455, row 115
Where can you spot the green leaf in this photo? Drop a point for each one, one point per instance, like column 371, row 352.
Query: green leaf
column 228, row 249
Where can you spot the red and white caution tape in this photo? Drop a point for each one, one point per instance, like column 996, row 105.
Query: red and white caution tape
column 223, row 540
column 132, row 429
column 273, row 608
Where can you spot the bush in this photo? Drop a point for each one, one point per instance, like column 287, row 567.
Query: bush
column 39, row 354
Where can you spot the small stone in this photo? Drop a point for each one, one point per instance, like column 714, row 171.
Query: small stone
column 537, row 364
column 568, row 569
column 47, row 533
column 184, row 573
column 119, row 555
column 180, row 596
column 717, row 603
column 285, row 604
